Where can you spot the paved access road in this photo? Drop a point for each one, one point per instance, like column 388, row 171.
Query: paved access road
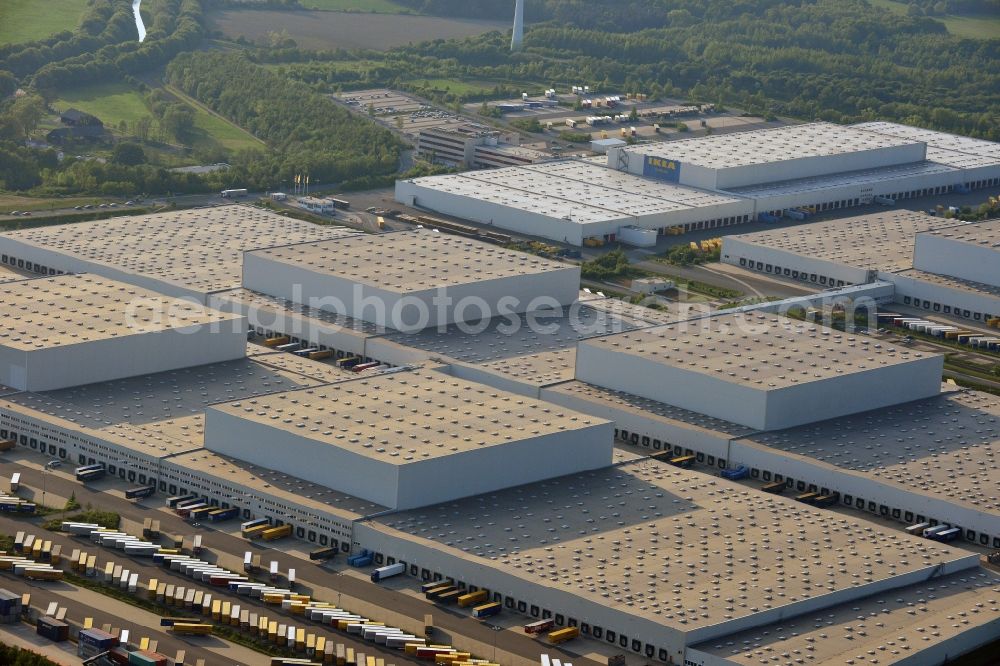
column 311, row 578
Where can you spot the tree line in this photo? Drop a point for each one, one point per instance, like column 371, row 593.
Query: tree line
column 307, row 131
column 837, row 60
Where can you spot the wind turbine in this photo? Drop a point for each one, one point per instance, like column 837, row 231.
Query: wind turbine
column 517, row 40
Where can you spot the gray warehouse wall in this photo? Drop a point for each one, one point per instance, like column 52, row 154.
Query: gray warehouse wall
column 133, row 355
column 514, row 463
column 936, row 254
column 299, row 456
column 674, row 386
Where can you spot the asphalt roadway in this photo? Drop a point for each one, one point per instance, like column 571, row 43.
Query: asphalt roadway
column 449, row 623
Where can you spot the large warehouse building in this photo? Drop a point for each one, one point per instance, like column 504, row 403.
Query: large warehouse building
column 936, row 264
column 79, row 329
column 537, row 455
column 411, row 280
column 762, row 371
column 188, row 253
column 652, row 558
column 465, row 438
column 713, row 181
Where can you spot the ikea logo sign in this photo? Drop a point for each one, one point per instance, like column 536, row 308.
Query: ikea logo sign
column 662, row 169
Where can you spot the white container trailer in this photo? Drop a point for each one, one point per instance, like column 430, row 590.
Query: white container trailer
column 388, row 571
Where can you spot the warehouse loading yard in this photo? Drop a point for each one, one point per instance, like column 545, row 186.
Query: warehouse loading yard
column 560, row 467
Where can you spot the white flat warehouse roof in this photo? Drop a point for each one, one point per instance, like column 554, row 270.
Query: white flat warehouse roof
column 940, row 140
column 164, row 413
column 577, row 191
column 199, row 249
column 946, row 447
column 887, row 627
column 758, row 350
column 408, row 417
column 981, row 234
column 43, row 313
column 672, row 546
column 766, row 146
column 410, row 261
column 839, row 180
column 881, row 241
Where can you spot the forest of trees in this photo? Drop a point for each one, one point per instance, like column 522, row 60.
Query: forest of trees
column 839, row 60
column 628, row 15
column 308, row 132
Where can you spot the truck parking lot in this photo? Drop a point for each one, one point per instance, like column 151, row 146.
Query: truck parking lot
column 392, row 602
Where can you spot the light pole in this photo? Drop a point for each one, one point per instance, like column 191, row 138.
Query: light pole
column 496, row 631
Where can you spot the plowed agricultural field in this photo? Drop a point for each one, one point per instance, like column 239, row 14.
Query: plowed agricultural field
column 329, row 30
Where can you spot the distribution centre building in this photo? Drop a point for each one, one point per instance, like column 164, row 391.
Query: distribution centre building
column 653, row 558
column 187, row 253
column 934, row 263
column 712, row 181
column 428, row 437
column 763, row 371
column 69, row 330
column 411, row 280
column 659, row 562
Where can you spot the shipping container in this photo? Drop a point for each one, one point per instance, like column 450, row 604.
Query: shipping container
column 807, row 498
column 172, row 502
column 146, row 658
column 323, row 554
column 219, row 515
column 275, row 533
column 683, row 461
column 473, row 598
column 563, row 635
column 929, row 532
column 52, row 629
column 185, row 511
column 87, row 468
column 97, row 639
column 139, row 492
column 255, row 531
column 775, row 487
column 948, row 535
column 388, row 571
column 486, row 610
column 539, row 627
column 825, row 500
column 441, row 588
column 191, row 629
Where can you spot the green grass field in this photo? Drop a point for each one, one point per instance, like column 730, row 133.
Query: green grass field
column 111, row 102
column 28, row 20
column 455, row 86
column 10, row 201
column 210, row 127
column 115, row 102
column 972, row 27
column 379, row 6
column 230, row 137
